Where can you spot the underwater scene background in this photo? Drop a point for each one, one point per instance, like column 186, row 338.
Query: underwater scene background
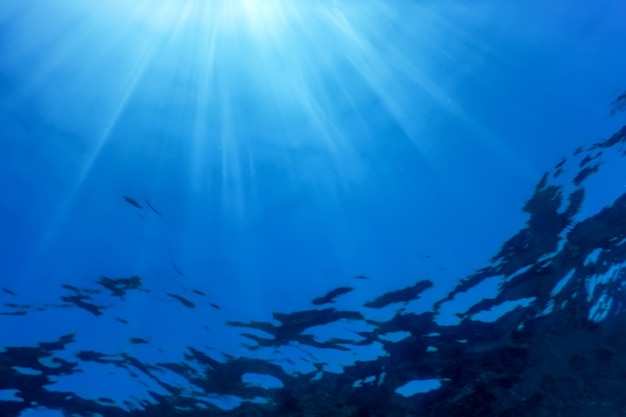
column 312, row 208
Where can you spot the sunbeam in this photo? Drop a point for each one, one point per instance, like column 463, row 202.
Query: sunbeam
column 320, row 86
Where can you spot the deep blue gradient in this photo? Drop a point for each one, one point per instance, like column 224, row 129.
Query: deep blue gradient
column 278, row 149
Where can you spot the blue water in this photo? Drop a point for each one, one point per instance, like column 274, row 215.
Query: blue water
column 242, row 158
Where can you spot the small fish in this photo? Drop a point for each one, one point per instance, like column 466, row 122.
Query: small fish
column 198, row 292
column 138, row 340
column 360, row 277
column 132, row 202
column 8, row 291
column 215, row 306
column 153, row 209
column 177, row 269
column 121, row 320
column 183, row 300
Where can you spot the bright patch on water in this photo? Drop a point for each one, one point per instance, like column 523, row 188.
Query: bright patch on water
column 500, row 310
column 260, row 380
column 418, row 387
column 34, row 412
column 9, row 395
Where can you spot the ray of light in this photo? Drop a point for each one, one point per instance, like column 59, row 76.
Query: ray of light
column 244, row 84
column 116, row 104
